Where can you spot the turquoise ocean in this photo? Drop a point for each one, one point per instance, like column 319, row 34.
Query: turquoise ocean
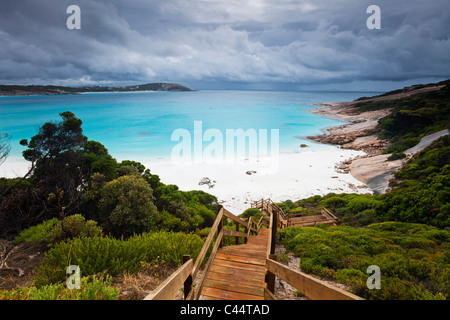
column 138, row 125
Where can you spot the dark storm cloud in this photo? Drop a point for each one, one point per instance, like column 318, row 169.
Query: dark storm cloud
column 246, row 42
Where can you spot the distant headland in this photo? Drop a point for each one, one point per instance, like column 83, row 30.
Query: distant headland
column 17, row 90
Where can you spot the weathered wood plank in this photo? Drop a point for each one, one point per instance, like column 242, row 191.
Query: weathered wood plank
column 207, row 243
column 235, row 287
column 244, row 259
column 242, row 278
column 228, row 295
column 240, row 265
column 210, row 262
column 231, row 216
column 246, row 252
column 269, row 295
column 313, row 288
column 238, row 273
column 233, row 233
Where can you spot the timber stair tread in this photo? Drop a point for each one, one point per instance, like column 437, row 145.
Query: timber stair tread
column 238, row 272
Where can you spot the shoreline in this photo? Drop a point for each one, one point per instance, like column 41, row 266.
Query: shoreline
column 372, row 169
column 346, row 158
column 312, row 171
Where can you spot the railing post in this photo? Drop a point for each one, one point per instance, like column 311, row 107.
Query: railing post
column 188, row 283
column 219, row 229
column 274, row 232
column 237, row 229
column 270, row 277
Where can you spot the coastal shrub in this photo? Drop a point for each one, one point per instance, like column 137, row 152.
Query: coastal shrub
column 126, row 206
column 105, row 254
column 396, row 156
column 184, row 210
column 413, row 257
column 38, row 232
column 362, row 202
column 334, row 202
column 91, row 288
column 251, row 212
column 73, row 226
column 52, row 231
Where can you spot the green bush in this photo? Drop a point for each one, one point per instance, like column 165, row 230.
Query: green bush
column 334, row 202
column 126, row 206
column 91, row 288
column 251, row 212
column 396, row 156
column 38, row 232
column 104, row 254
column 413, row 258
column 73, row 226
column 363, row 202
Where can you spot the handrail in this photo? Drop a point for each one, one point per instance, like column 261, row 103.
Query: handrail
column 169, row 287
column 269, row 206
column 186, row 273
column 311, row 287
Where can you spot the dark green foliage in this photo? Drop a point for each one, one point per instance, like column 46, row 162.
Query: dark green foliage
column 422, row 190
column 184, row 210
column 82, row 171
column 412, row 117
column 410, row 257
column 71, row 227
column 126, row 206
column 396, row 156
column 104, row 254
column 251, row 212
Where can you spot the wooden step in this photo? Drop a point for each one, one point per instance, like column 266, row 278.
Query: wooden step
column 238, row 272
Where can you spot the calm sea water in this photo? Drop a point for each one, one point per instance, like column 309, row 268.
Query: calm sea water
column 140, row 124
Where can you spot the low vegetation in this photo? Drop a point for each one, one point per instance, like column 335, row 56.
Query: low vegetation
column 413, row 258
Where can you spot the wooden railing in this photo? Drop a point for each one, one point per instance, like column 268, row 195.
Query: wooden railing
column 271, row 207
column 311, row 217
column 188, row 271
column 311, row 287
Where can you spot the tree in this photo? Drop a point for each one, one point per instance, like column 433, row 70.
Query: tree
column 99, row 160
column 55, row 153
column 5, row 147
column 54, row 139
column 126, row 206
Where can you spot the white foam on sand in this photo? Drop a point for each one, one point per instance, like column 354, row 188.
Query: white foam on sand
column 309, row 172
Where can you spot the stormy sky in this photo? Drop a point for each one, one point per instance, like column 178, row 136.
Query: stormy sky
column 226, row 44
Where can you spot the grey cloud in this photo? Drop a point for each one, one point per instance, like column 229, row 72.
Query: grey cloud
column 231, row 41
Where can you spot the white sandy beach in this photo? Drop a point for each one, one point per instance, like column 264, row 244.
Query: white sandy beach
column 309, row 172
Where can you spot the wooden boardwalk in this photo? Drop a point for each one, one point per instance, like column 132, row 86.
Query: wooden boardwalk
column 238, row 272
column 245, row 271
